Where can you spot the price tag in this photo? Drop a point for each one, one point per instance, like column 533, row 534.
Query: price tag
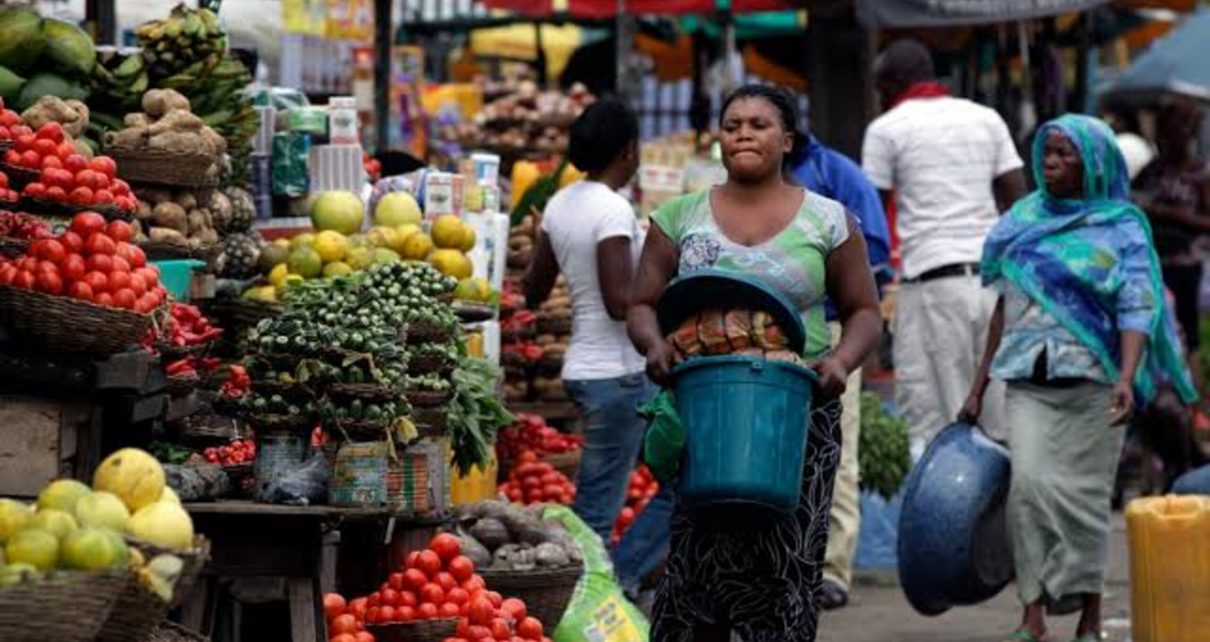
column 611, row 623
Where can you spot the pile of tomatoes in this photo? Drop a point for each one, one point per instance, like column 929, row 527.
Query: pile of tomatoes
column 530, row 432
column 65, row 176
column 19, row 225
column 239, row 451
column 507, row 621
column 344, row 622
column 641, row 489
column 92, row 261
column 533, row 481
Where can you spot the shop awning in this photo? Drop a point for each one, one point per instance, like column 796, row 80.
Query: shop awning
column 520, row 42
column 946, row 13
column 1173, row 64
column 603, row 9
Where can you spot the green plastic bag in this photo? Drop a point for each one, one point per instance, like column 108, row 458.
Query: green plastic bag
column 598, row 610
column 665, row 439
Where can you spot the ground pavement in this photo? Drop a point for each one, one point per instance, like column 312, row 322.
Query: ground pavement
column 879, row 612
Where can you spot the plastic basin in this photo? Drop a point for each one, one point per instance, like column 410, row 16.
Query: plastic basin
column 176, row 274
column 746, row 423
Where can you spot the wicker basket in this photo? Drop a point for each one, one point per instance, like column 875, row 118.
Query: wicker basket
column 35, row 611
column 546, row 592
column 179, row 385
column 172, row 632
column 19, row 177
column 430, row 363
column 421, row 333
column 71, row 325
column 67, row 210
column 416, row 631
column 270, row 423
column 208, row 427
column 167, row 251
column 236, row 313
column 474, row 312
column 428, row 398
column 13, row 248
column 164, row 168
column 365, row 391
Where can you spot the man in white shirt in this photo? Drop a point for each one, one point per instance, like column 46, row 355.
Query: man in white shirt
column 952, row 167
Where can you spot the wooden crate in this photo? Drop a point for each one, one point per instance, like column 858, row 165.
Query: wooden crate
column 43, row 439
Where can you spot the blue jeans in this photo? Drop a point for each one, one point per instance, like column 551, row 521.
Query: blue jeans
column 1194, row 482
column 613, row 437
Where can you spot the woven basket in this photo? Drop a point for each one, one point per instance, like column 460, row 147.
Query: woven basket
column 428, row 398
column 416, row 631
column 236, row 313
column 546, row 592
column 182, row 384
column 71, row 325
column 421, row 333
column 164, row 168
column 430, row 364
column 19, row 177
column 67, row 607
column 474, row 312
column 270, row 423
column 172, row 632
column 430, row 421
column 288, row 391
column 194, row 560
column 13, row 248
column 167, row 251
column 208, row 427
column 67, row 210
column 364, row 391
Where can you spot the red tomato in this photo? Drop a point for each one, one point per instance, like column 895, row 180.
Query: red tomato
column 45, row 147
column 395, row 581
column 478, row 632
column 103, row 197
column 35, row 190
column 52, row 131
column 427, row 611
column 120, row 264
column 50, row 283
column 358, row 608
column 343, row 637
column 445, row 581
column 363, row 636
column 103, row 298
column 101, row 263
column 500, row 629
column 99, row 243
column 74, row 163
column 480, row 611
column 51, row 162
column 408, row 598
column 150, row 274
column 132, row 254
column 120, row 187
column 432, row 594
column 124, row 299
column 85, row 223
column 372, row 614
column 458, row 596
column 387, row 614
column 146, row 303
column 342, row 624
column 48, row 250
column 64, row 150
column 30, row 159
column 514, row 608
column 7, row 273
column 405, row 613
column 410, row 560
column 429, row 563
column 530, row 629
column 120, row 231
column 334, row 606
column 495, row 598
column 104, row 165
column 81, row 196
column 86, row 178
column 372, row 600
column 414, row 579
column 476, row 583
column 138, row 285
column 449, row 610
column 24, row 279
column 462, row 568
column 72, row 241
column 446, row 546
column 74, row 268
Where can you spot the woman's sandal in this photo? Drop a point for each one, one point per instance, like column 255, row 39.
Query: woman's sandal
column 1022, row 635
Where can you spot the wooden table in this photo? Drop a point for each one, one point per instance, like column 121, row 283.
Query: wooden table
column 294, row 543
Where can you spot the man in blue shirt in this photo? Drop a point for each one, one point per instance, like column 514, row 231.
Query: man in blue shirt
column 829, row 173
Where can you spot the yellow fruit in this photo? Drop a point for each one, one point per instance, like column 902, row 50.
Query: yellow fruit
column 161, row 574
column 397, row 208
column 338, row 268
column 135, row 556
column 383, row 255
column 468, row 238
column 89, row 549
column 306, row 239
column 103, row 510
column 164, row 525
column 55, row 522
column 382, row 237
column 14, row 516
column 62, row 494
column 282, row 243
column 448, row 231
column 264, row 294
column 360, row 258
column 570, row 175
column 170, row 496
column 525, row 174
column 474, row 289
column 33, row 546
column 403, row 233
column 357, row 240
column 451, row 263
column 305, row 262
column 121, row 551
column 330, row 246
column 11, row 574
column 273, row 255
column 133, row 475
column 339, row 211
column 417, row 247
column 278, row 275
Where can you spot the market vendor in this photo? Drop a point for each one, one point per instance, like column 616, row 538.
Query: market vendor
column 591, row 234
column 763, row 584
column 1080, row 334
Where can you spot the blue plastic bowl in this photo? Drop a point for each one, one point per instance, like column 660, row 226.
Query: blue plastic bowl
column 953, row 537
column 746, row 422
column 176, row 274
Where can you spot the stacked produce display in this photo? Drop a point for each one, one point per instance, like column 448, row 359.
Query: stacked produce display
column 518, row 116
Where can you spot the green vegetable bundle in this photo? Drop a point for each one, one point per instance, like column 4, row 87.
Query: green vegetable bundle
column 883, row 453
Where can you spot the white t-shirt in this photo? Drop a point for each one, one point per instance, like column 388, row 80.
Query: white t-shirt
column 576, row 220
column 940, row 155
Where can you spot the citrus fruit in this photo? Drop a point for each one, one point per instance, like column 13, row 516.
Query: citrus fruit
column 170, row 496
column 338, row 211
column 54, row 521
column 384, row 255
column 337, row 268
column 382, row 237
column 278, row 274
column 88, row 549
column 103, row 510
column 451, row 263
column 417, row 247
column 62, row 494
column 33, row 546
column 133, row 475
column 14, row 516
column 397, row 208
column 273, row 255
column 330, row 246
column 302, row 240
column 11, row 574
column 164, row 525
column 403, row 233
column 473, row 289
column 468, row 238
column 305, row 262
column 448, row 231
column 360, row 258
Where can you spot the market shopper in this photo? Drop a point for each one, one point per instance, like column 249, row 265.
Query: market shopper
column 1081, row 335
column 829, row 173
column 590, row 233
column 951, row 167
column 763, row 584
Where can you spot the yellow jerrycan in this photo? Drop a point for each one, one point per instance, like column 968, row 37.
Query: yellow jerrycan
column 1170, row 568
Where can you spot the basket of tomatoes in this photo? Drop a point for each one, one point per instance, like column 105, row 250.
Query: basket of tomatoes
column 87, row 290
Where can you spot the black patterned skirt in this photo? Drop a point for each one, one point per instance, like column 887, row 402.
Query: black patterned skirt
column 762, row 584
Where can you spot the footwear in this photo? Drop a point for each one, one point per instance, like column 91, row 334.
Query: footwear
column 1023, row 635
column 1088, row 637
column 831, row 596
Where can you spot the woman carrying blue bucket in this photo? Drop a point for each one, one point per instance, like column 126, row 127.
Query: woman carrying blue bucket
column 761, row 581
column 1082, row 336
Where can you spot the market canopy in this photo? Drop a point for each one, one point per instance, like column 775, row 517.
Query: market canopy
column 604, row 9
column 947, row 13
column 1174, row 64
column 520, row 42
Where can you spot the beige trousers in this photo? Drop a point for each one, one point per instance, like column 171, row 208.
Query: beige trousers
column 940, row 331
column 844, row 522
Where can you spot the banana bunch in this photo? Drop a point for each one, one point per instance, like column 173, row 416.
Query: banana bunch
column 117, row 84
column 160, row 575
column 188, row 41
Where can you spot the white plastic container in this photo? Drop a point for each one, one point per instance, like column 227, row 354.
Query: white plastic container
column 343, row 125
column 491, row 246
column 487, row 168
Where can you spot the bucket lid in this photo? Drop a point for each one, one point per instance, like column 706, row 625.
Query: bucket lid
column 710, row 288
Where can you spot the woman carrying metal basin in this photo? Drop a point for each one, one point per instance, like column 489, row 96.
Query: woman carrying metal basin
column 804, row 248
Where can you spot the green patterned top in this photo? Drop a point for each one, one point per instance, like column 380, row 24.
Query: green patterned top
column 792, row 261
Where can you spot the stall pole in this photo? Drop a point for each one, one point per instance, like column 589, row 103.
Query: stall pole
column 382, row 75
column 102, row 21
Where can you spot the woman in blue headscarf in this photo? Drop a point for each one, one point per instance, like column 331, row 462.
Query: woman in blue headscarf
column 1081, row 335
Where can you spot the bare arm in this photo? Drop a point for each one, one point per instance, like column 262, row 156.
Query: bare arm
column 1122, row 406
column 656, row 268
column 851, row 286
column 541, row 274
column 1009, row 188
column 615, row 274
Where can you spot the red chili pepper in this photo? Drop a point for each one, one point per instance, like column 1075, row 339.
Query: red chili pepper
column 210, row 364
column 180, row 366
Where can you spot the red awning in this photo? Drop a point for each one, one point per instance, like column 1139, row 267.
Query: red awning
column 601, row 9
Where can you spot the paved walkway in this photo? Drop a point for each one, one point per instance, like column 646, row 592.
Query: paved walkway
column 880, row 613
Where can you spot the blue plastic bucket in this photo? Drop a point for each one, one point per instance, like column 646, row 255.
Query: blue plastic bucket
column 176, row 274
column 746, row 421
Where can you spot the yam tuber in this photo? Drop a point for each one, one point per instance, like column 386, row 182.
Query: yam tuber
column 158, row 102
column 137, row 119
column 171, row 216
column 177, row 120
column 187, row 200
column 197, row 222
column 176, row 142
column 131, row 138
column 50, row 109
column 165, row 235
column 143, row 212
